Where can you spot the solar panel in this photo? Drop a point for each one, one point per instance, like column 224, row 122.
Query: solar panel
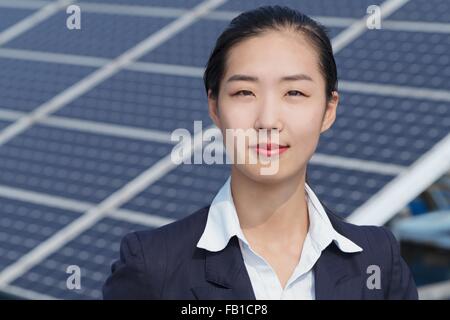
column 10, row 16
column 424, row 10
column 24, row 225
column 92, row 162
column 98, row 37
column 329, row 8
column 415, row 59
column 93, row 251
column 27, row 84
column 144, row 100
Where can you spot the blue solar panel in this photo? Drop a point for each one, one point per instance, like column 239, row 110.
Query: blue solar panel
column 331, row 184
column 25, row 85
column 4, row 124
column 389, row 130
column 99, row 34
column 182, row 191
column 195, row 50
column 24, row 225
column 10, row 16
column 191, row 187
column 397, row 57
column 341, row 8
column 157, row 3
column 424, row 10
column 74, row 164
column 93, row 251
column 187, row 48
column 333, row 31
column 145, row 100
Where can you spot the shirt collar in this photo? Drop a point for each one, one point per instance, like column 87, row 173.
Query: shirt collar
column 223, row 223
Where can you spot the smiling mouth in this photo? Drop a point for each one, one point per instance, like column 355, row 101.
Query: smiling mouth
column 268, row 149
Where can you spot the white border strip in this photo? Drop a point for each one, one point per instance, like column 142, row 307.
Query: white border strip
column 108, row 129
column 395, row 90
column 43, row 199
column 384, row 205
column 23, row 4
column 95, row 127
column 140, row 218
column 360, row 26
column 32, row 20
column 177, row 70
column 132, row 10
column 415, row 26
column 10, row 114
column 356, row 164
column 50, row 57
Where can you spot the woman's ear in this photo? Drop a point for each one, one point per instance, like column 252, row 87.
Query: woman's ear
column 330, row 112
column 213, row 109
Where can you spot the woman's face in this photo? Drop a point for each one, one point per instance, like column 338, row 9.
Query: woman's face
column 282, row 91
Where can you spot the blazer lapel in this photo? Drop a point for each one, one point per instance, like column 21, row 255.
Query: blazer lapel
column 226, row 271
column 336, row 274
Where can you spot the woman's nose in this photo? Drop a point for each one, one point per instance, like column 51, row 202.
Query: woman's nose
column 269, row 116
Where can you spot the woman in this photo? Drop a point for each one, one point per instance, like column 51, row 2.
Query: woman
column 266, row 236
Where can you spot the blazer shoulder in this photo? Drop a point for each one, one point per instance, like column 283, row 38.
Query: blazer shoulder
column 375, row 239
column 141, row 269
column 129, row 274
column 381, row 249
column 179, row 231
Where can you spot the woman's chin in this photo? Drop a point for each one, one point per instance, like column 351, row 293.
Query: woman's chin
column 266, row 174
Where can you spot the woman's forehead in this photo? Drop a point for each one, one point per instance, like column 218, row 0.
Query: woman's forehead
column 272, row 55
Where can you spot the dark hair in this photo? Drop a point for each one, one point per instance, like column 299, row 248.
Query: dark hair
column 254, row 22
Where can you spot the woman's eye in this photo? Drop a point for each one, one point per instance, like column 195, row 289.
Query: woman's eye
column 243, row 93
column 295, row 93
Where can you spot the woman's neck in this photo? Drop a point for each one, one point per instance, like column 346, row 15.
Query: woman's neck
column 271, row 212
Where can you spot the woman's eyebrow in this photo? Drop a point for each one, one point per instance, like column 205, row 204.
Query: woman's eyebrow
column 297, row 77
column 294, row 77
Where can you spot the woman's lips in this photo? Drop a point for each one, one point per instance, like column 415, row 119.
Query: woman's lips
column 269, row 149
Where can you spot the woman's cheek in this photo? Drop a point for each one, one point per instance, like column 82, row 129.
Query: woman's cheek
column 238, row 118
column 303, row 134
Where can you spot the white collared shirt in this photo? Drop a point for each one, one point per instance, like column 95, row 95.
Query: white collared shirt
column 223, row 223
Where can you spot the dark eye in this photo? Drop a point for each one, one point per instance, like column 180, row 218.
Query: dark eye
column 295, row 93
column 243, row 93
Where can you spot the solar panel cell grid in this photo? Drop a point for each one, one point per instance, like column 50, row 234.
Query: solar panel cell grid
column 144, row 100
column 25, row 225
column 10, row 16
column 424, row 10
column 341, row 8
column 415, row 59
column 25, row 85
column 73, row 164
column 93, row 251
column 99, row 34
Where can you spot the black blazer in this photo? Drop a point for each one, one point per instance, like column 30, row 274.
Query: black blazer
column 165, row 263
